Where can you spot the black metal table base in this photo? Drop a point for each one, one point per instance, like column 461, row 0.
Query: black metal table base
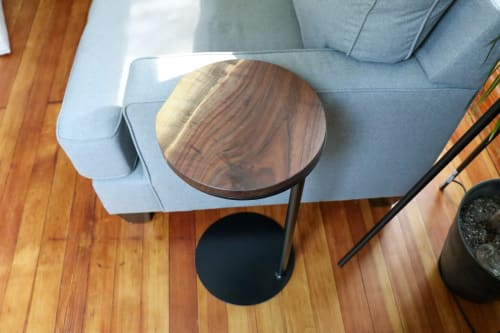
column 238, row 259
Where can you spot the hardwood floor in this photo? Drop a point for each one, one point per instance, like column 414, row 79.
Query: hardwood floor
column 67, row 266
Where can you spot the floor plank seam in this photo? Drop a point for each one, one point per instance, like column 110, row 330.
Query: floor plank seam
column 40, row 244
column 365, row 294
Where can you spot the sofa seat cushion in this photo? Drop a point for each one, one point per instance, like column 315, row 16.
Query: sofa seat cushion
column 369, row 30
column 368, row 99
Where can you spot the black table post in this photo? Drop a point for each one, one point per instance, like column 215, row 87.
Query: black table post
column 291, row 219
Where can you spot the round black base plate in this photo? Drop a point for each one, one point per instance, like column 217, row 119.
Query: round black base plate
column 238, row 256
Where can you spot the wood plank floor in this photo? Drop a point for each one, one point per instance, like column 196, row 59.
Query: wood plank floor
column 67, row 266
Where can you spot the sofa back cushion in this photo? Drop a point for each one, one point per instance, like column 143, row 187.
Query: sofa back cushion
column 370, row 30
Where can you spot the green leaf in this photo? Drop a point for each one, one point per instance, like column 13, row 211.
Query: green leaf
column 486, row 93
column 495, row 129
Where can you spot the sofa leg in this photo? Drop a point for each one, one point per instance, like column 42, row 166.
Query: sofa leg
column 137, row 217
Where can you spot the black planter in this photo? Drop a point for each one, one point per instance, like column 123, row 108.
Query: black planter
column 459, row 269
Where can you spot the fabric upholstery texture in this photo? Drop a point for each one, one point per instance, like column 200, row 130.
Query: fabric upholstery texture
column 369, row 30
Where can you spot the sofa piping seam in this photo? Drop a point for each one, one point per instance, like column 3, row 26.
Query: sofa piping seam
column 361, row 28
column 421, row 30
column 197, row 54
column 383, row 90
column 141, row 158
column 366, row 90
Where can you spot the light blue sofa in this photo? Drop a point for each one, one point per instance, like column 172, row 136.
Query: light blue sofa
column 394, row 76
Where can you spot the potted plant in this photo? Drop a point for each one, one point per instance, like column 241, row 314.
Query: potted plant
column 470, row 260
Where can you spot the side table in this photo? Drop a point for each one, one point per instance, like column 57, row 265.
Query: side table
column 243, row 129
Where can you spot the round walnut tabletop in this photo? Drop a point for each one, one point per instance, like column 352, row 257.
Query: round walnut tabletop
column 241, row 129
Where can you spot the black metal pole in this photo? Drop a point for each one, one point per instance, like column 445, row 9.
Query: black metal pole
column 469, row 159
column 480, row 124
column 291, row 220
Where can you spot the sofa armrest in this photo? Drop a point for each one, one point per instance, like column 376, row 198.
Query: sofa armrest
column 90, row 127
column 455, row 53
column 98, row 142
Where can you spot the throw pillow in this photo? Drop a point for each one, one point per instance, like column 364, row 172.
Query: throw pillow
column 370, row 30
